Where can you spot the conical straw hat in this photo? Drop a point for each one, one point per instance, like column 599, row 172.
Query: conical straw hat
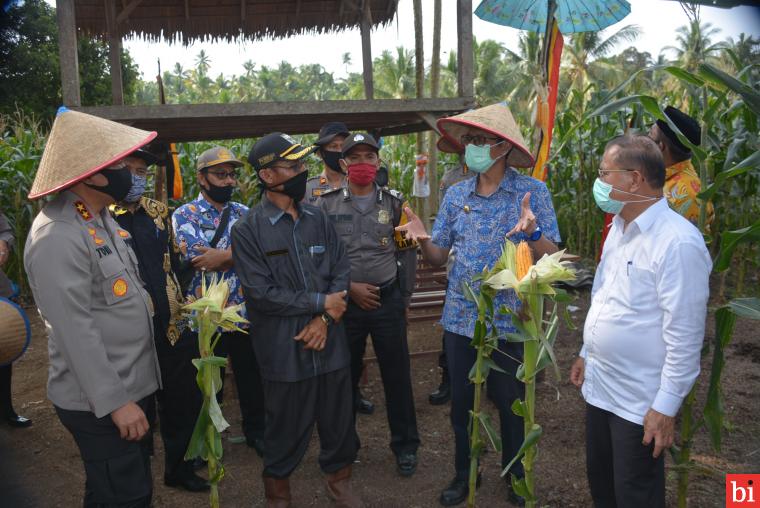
column 496, row 119
column 15, row 332
column 80, row 145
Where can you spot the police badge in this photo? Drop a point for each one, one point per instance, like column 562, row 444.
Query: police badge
column 383, row 217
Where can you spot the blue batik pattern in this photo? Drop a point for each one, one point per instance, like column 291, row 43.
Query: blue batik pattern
column 195, row 224
column 476, row 226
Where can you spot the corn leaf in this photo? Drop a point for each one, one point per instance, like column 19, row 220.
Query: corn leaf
column 493, row 436
column 530, row 440
column 729, row 240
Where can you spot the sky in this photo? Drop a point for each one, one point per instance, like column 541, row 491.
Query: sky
column 658, row 20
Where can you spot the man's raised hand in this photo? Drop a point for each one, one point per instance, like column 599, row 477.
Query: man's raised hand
column 413, row 230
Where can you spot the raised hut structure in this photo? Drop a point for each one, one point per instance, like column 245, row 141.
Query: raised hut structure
column 191, row 20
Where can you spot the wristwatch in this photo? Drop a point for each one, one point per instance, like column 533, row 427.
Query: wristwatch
column 535, row 235
column 327, row 319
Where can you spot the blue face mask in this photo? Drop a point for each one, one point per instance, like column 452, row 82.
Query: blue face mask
column 603, row 200
column 478, row 158
column 139, row 183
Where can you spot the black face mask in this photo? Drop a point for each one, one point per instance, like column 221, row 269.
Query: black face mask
column 217, row 193
column 331, row 160
column 294, row 187
column 119, row 183
column 381, row 178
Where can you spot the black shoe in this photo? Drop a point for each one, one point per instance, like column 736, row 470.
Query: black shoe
column 198, row 463
column 257, row 444
column 406, row 464
column 364, row 406
column 17, row 421
column 442, row 395
column 457, row 491
column 188, row 481
column 512, row 496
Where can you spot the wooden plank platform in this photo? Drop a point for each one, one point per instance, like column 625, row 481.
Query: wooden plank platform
column 197, row 122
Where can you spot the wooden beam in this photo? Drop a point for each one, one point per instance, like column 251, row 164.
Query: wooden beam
column 126, row 11
column 114, row 53
column 465, row 68
column 67, row 52
column 430, row 120
column 187, row 9
column 298, row 7
column 366, row 26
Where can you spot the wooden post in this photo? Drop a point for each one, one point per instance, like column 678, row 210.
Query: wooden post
column 366, row 26
column 465, row 69
column 67, row 51
column 114, row 53
column 435, row 82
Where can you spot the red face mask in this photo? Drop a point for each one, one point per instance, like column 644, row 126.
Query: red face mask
column 362, row 174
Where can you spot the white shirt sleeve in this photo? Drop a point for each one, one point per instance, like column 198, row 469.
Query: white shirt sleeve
column 682, row 292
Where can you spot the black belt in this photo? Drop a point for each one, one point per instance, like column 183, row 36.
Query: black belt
column 387, row 288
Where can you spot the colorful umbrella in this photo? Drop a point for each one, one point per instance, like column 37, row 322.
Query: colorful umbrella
column 572, row 15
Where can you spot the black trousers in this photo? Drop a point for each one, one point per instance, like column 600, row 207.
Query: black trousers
column 180, row 400
column 621, row 471
column 6, row 403
column 387, row 327
column 117, row 471
column 239, row 348
column 292, row 409
column 443, row 363
column 503, row 389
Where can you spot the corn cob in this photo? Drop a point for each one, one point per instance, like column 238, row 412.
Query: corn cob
column 524, row 259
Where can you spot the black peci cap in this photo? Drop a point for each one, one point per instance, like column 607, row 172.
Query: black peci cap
column 686, row 124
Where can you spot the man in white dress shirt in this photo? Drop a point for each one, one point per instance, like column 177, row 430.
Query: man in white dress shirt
column 644, row 330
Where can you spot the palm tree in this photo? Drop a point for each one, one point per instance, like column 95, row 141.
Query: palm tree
column 695, row 44
column 585, row 47
column 490, row 72
column 394, row 77
column 741, row 52
column 202, row 63
column 179, row 78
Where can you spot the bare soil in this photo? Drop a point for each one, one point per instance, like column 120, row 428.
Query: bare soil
column 40, row 466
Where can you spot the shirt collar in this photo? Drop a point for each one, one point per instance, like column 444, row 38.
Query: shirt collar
column 505, row 184
column 274, row 214
column 680, row 167
column 647, row 217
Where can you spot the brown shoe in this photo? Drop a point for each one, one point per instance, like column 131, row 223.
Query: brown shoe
column 277, row 492
column 339, row 489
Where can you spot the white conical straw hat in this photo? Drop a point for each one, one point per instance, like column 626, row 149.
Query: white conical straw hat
column 496, row 119
column 80, row 145
column 15, row 332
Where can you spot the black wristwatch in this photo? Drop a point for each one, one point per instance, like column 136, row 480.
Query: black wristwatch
column 535, row 235
column 327, row 319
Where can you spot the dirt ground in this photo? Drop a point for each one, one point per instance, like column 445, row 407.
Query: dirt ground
column 40, row 466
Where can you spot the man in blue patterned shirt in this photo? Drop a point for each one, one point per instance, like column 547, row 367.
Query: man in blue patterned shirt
column 202, row 229
column 475, row 217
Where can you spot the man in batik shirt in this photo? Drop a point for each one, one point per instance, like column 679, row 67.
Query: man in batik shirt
column 202, row 229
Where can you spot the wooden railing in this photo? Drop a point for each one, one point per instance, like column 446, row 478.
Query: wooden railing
column 429, row 293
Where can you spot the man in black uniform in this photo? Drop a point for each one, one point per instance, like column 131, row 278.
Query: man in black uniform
column 152, row 240
column 294, row 272
column 365, row 217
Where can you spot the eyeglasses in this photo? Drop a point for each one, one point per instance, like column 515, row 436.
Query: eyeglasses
column 603, row 173
column 478, row 140
column 223, row 175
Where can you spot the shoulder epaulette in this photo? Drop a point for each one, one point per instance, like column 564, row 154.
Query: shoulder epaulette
column 330, row 192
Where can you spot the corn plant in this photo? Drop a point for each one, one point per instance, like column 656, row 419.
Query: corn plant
column 515, row 271
column 209, row 314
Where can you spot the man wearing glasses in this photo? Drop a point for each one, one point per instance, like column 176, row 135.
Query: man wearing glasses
column 202, row 229
column 294, row 272
column 474, row 219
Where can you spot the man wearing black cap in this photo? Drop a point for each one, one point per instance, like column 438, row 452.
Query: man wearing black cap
column 329, row 144
column 365, row 216
column 682, row 183
column 152, row 240
column 295, row 273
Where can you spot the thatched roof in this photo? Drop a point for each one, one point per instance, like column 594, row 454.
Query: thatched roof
column 191, row 20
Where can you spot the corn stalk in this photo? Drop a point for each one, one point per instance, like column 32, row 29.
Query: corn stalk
column 533, row 284
column 211, row 315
